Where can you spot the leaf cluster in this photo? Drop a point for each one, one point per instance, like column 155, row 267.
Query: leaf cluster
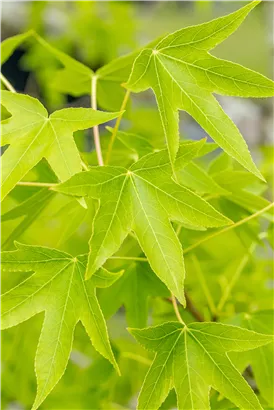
column 165, row 228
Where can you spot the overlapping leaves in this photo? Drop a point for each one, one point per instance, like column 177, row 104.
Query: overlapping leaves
column 57, row 288
column 183, row 75
column 143, row 198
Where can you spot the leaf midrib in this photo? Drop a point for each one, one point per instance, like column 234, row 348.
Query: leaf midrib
column 200, row 40
column 205, row 116
column 215, row 73
column 34, row 293
column 178, row 200
column 160, row 373
column 156, row 239
column 59, row 332
column 224, row 375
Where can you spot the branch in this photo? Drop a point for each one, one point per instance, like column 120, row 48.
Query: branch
column 192, row 309
column 117, row 124
column 176, row 310
column 96, row 134
column 7, row 84
column 228, row 228
column 38, row 184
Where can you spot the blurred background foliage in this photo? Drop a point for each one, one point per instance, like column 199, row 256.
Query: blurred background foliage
column 229, row 274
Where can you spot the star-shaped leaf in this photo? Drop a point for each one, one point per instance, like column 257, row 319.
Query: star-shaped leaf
column 183, row 76
column 57, row 288
column 33, row 135
column 143, row 198
column 194, row 358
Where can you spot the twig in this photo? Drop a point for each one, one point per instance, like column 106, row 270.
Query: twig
column 137, row 358
column 228, row 228
column 96, row 134
column 38, row 184
column 176, row 310
column 116, row 127
column 131, row 258
column 192, row 309
column 84, row 166
column 7, row 84
column 234, row 279
column 195, row 245
column 205, row 288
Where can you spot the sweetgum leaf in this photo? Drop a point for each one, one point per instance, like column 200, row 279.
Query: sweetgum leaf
column 194, row 177
column 261, row 359
column 143, row 198
column 194, row 358
column 10, row 44
column 134, row 142
column 33, row 135
column 57, row 288
column 183, row 76
column 75, row 78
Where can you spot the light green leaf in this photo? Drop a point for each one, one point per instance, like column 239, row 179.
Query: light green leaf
column 31, row 208
column 194, row 177
column 33, row 135
column 76, row 79
column 194, row 358
column 57, row 288
column 134, row 142
column 132, row 290
column 10, row 44
column 183, row 76
column 143, row 198
column 261, row 359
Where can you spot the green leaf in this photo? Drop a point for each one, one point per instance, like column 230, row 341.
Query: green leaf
column 183, row 76
column 261, row 359
column 143, row 198
column 57, row 288
column 31, row 208
column 75, row 78
column 194, row 358
column 10, row 44
column 134, row 142
column 194, row 177
column 133, row 290
column 33, row 135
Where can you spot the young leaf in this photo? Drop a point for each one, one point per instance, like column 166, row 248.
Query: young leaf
column 33, row 135
column 183, row 75
column 143, row 198
column 57, row 288
column 194, row 358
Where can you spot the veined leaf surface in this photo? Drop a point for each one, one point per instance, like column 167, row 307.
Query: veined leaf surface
column 191, row 359
column 183, row 76
column 144, row 198
column 32, row 135
column 57, row 288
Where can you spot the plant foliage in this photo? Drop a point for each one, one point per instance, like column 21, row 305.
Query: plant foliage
column 168, row 230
